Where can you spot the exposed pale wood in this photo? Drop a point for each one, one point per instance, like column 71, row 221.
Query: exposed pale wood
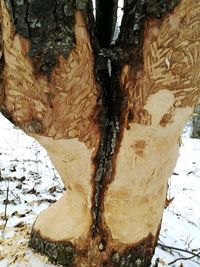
column 70, row 218
column 161, row 97
column 62, row 113
column 146, row 159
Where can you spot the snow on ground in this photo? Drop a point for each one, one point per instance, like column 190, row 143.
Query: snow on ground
column 29, row 184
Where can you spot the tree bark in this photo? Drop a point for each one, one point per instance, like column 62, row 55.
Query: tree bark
column 196, row 123
column 109, row 115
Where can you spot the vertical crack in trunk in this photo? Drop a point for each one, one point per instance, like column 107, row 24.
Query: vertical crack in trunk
column 127, row 50
column 106, row 18
column 111, row 102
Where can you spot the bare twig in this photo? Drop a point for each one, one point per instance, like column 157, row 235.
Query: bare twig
column 6, row 206
column 0, row 175
column 184, row 258
column 182, row 250
column 178, row 249
column 188, row 242
column 16, row 196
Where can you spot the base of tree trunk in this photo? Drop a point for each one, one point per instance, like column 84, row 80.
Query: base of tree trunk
column 65, row 254
column 57, row 253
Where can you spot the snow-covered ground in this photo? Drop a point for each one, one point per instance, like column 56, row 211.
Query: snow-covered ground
column 181, row 221
column 29, row 183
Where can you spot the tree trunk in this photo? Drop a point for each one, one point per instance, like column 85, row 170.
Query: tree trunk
column 196, row 123
column 109, row 116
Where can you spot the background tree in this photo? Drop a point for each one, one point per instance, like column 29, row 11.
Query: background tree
column 196, row 122
column 109, row 115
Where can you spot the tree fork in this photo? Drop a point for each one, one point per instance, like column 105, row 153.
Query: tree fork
column 106, row 18
column 110, row 117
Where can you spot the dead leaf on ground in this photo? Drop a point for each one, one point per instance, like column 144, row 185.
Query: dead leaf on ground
column 20, row 224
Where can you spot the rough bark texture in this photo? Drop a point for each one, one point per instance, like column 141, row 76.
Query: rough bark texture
column 106, row 18
column 196, row 123
column 109, row 115
column 58, row 253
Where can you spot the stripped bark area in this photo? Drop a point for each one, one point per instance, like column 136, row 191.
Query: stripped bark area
column 109, row 115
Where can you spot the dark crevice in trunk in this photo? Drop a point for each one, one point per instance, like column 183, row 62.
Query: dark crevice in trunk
column 106, row 18
column 127, row 50
column 111, row 108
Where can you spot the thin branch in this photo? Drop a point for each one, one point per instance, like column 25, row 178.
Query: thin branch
column 6, row 206
column 178, row 249
column 184, row 258
column 182, row 250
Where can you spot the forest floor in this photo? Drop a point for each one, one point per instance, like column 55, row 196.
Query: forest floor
column 29, row 184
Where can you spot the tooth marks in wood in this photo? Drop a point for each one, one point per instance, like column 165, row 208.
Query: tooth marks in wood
column 131, row 36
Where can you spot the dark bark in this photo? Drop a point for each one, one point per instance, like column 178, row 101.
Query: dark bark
column 61, row 253
column 1, row 66
column 111, row 101
column 49, row 26
column 134, row 257
column 131, row 36
column 196, row 123
column 65, row 254
column 106, row 18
